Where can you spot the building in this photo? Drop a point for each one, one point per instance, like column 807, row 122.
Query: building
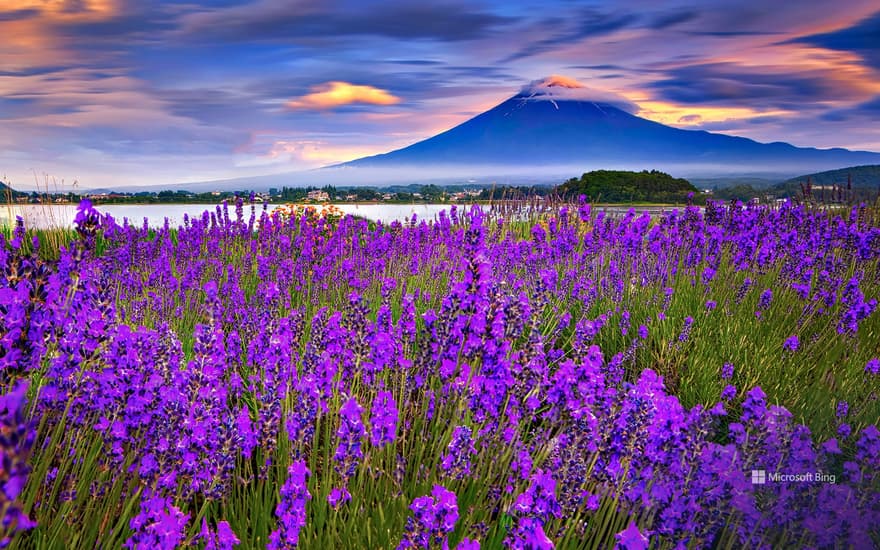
column 318, row 196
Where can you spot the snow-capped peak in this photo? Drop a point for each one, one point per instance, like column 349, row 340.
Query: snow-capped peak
column 564, row 88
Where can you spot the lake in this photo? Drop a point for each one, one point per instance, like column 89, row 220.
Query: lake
column 62, row 215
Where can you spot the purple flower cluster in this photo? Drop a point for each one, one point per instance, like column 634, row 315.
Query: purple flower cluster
column 16, row 442
column 349, row 450
column 433, row 518
column 158, row 524
column 383, row 419
column 220, row 538
column 531, row 510
column 291, row 510
column 456, row 462
column 727, row 371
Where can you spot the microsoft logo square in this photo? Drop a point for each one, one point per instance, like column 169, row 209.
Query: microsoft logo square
column 759, row 477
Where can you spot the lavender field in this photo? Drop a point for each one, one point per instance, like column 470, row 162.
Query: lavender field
column 494, row 378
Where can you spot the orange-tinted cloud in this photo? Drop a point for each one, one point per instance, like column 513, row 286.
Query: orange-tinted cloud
column 336, row 94
column 82, row 10
column 319, row 153
column 31, row 36
column 561, row 81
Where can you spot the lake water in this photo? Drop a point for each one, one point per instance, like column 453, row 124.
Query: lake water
column 62, row 215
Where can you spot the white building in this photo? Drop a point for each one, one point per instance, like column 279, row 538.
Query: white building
column 318, row 196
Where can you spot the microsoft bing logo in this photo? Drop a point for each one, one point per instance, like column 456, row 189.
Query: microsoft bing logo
column 759, row 477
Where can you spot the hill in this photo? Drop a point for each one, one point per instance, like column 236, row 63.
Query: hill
column 623, row 186
column 7, row 192
column 858, row 183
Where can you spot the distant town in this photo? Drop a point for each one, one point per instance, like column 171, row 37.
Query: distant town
column 394, row 194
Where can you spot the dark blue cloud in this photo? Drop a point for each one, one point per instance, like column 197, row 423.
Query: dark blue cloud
column 734, row 34
column 583, row 23
column 418, row 62
column 863, row 38
column 670, row 19
column 324, row 22
column 861, row 113
column 734, row 84
column 18, row 15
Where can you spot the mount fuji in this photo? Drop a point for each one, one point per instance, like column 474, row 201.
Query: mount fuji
column 558, row 121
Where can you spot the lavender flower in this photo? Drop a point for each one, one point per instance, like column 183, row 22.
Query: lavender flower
column 728, row 393
column 632, row 538
column 383, row 419
column 350, row 433
column 686, row 331
column 727, row 371
column 456, row 462
column 291, row 509
column 158, row 524
column 221, row 538
column 338, row 496
column 433, row 519
column 766, row 298
column 532, row 509
column 16, row 440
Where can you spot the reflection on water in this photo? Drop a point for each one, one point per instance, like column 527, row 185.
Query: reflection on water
column 62, row 215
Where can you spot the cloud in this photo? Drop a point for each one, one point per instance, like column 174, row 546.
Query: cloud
column 336, row 94
column 273, row 20
column 292, row 151
column 673, row 18
column 552, row 81
column 561, row 32
column 79, row 10
column 863, row 38
column 82, row 97
column 735, row 34
column 771, row 86
column 867, row 111
column 690, row 119
column 416, row 62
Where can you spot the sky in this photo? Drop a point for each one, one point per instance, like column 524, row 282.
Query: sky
column 109, row 93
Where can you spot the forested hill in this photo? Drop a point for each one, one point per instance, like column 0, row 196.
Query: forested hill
column 864, row 182
column 7, row 192
column 624, row 186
